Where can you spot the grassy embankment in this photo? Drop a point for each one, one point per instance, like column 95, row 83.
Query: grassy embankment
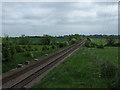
column 86, row 68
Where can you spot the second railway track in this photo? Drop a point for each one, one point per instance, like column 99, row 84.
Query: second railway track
column 24, row 76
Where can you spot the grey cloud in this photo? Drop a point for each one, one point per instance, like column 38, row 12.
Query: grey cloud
column 58, row 18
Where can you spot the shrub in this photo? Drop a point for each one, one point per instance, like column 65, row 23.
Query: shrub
column 45, row 48
column 24, row 40
column 19, row 48
column 73, row 41
column 29, row 54
column 8, row 50
column 24, row 47
column 36, row 49
column 110, row 41
column 90, row 44
column 63, row 44
column 46, row 40
column 100, row 46
column 29, row 48
column 53, row 46
column 66, row 43
column 108, row 70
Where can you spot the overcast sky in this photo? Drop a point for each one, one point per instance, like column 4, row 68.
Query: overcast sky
column 59, row 18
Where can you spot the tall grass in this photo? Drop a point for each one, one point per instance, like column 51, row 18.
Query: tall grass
column 84, row 69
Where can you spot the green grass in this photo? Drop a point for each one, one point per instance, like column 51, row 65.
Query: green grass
column 21, row 57
column 109, row 53
column 81, row 70
column 100, row 41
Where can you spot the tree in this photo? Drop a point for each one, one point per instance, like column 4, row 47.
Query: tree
column 89, row 43
column 76, row 36
column 73, row 41
column 110, row 41
column 8, row 49
column 46, row 40
column 24, row 40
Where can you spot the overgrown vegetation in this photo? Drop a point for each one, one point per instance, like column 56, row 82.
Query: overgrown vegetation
column 17, row 50
column 93, row 66
column 102, row 42
column 84, row 69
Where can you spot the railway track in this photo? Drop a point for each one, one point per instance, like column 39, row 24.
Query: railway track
column 23, row 76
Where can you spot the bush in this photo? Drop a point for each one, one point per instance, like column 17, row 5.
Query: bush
column 45, row 48
column 29, row 54
column 100, row 46
column 90, row 44
column 63, row 44
column 66, row 43
column 110, row 41
column 25, row 48
column 19, row 49
column 29, row 48
column 108, row 70
column 73, row 41
column 53, row 46
column 36, row 49
column 8, row 50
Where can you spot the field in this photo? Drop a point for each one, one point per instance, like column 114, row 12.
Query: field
column 36, row 51
column 81, row 70
column 93, row 66
column 86, row 68
column 20, row 58
column 100, row 41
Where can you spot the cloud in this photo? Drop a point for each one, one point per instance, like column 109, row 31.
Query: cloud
column 59, row 18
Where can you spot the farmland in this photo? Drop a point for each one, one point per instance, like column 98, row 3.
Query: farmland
column 92, row 66
column 24, row 56
column 29, row 48
column 86, row 68
column 101, row 41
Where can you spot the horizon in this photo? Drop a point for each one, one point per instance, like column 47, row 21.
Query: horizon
column 61, row 35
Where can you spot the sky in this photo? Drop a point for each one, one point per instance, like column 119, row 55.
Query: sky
column 59, row 18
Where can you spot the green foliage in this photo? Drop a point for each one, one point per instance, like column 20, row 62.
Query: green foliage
column 73, row 41
column 44, row 48
column 24, row 40
column 82, row 70
column 8, row 49
column 15, row 50
column 110, row 41
column 36, row 49
column 63, row 44
column 53, row 47
column 90, row 44
column 46, row 40
column 29, row 54
column 25, row 48
column 75, row 36
column 108, row 70
column 30, row 48
column 19, row 48
column 66, row 43
column 100, row 46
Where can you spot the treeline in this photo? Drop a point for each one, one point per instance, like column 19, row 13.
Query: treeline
column 41, row 40
column 103, row 36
